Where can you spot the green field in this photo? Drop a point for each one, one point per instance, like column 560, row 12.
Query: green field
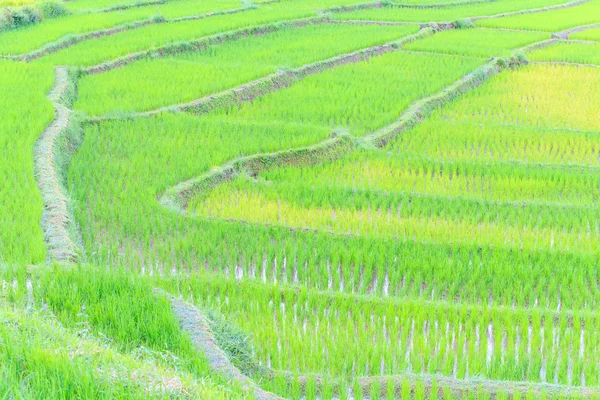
column 300, row 199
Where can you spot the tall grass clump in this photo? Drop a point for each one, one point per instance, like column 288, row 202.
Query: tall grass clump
column 122, row 308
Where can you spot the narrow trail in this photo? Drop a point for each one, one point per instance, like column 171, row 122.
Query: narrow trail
column 55, row 218
column 194, row 323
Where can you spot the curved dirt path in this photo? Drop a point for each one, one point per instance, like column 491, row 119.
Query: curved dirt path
column 55, row 218
column 196, row 325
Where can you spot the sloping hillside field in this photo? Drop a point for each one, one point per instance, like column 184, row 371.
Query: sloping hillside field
column 300, row 199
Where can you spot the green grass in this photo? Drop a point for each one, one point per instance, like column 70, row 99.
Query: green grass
column 153, row 83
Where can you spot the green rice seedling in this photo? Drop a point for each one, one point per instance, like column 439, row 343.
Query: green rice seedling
column 481, row 42
column 153, row 83
column 446, row 14
column 550, row 21
column 25, row 114
column 110, row 47
column 579, row 53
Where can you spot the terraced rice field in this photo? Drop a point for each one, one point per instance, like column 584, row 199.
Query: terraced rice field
column 303, row 199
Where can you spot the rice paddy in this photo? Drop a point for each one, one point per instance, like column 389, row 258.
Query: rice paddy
column 300, row 199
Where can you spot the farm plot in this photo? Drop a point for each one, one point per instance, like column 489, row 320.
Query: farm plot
column 153, row 83
column 307, row 199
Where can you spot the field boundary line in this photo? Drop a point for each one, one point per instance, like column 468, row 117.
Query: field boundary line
column 57, row 221
column 531, row 10
column 202, row 43
column 196, row 325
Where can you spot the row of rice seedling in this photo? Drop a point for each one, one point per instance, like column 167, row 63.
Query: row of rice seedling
column 531, row 98
column 446, row 14
column 24, row 115
column 359, row 97
column 569, row 52
column 95, row 51
column 482, row 42
column 153, row 83
column 452, row 139
column 550, row 21
column 35, row 36
column 302, row 332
